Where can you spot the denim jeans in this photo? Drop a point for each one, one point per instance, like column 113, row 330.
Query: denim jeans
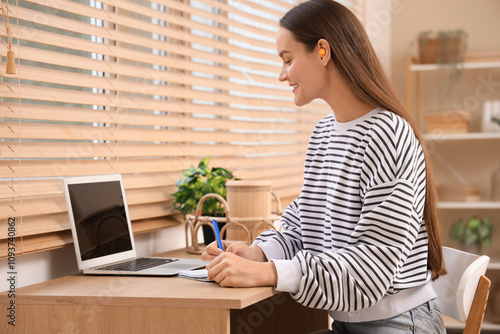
column 423, row 319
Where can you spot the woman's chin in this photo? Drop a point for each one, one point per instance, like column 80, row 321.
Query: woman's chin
column 300, row 102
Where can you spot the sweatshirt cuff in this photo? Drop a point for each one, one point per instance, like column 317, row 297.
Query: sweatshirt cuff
column 289, row 275
column 270, row 250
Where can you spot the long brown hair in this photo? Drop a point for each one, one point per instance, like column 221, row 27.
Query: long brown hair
column 354, row 57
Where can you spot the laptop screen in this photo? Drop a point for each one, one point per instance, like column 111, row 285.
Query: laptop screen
column 100, row 218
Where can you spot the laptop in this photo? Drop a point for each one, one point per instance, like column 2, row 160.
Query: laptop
column 102, row 232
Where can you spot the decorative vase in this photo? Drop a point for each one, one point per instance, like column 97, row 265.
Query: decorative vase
column 249, row 199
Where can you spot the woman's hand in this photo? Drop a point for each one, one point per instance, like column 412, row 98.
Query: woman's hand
column 253, row 253
column 239, row 248
column 239, row 266
column 229, row 269
column 213, row 250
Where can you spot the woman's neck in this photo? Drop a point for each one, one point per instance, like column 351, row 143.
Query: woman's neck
column 340, row 97
column 347, row 111
column 348, row 108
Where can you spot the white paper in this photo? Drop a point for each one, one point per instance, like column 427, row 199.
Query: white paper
column 200, row 274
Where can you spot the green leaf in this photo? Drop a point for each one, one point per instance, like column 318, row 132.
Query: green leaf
column 198, row 182
column 470, row 237
column 222, row 172
column 188, row 179
column 204, row 163
column 474, row 231
column 483, row 231
column 180, row 197
column 474, row 224
column 457, row 231
column 486, row 243
column 191, row 171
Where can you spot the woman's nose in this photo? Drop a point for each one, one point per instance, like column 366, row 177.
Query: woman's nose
column 282, row 76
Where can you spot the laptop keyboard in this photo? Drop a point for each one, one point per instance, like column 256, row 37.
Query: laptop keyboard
column 137, row 264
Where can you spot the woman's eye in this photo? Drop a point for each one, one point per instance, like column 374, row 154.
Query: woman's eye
column 286, row 62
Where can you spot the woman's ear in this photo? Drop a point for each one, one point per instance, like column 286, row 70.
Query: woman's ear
column 323, row 49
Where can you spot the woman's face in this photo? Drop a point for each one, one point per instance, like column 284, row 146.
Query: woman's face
column 303, row 70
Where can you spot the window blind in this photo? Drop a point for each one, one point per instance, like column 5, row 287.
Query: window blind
column 144, row 89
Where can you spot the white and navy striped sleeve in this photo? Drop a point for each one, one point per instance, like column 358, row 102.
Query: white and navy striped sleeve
column 283, row 245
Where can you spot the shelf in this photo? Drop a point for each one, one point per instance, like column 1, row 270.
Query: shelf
column 493, row 265
column 490, row 326
column 451, row 323
column 462, row 136
column 470, row 64
column 468, row 205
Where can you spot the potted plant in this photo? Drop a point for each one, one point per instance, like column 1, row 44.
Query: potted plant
column 442, row 47
column 447, row 49
column 475, row 233
column 197, row 182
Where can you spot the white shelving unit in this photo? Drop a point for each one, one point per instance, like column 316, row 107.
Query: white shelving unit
column 463, row 136
column 414, row 71
column 454, row 324
column 472, row 63
column 469, row 205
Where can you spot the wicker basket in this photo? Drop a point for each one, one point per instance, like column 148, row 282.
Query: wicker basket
column 252, row 203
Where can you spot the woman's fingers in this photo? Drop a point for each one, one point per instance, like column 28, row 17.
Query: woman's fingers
column 253, row 253
column 227, row 243
column 229, row 269
column 214, row 268
column 211, row 252
column 238, row 248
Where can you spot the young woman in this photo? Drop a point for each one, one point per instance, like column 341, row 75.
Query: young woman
column 362, row 239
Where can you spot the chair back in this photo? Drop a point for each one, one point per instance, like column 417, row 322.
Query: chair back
column 456, row 290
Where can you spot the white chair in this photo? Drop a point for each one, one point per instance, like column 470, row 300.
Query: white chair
column 463, row 292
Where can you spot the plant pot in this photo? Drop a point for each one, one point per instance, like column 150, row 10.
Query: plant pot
column 208, row 232
column 442, row 49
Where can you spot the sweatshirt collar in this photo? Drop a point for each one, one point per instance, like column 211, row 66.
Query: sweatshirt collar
column 344, row 126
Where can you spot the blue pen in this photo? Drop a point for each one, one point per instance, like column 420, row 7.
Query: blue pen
column 217, row 234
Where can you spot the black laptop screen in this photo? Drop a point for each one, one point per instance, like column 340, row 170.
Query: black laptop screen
column 100, row 219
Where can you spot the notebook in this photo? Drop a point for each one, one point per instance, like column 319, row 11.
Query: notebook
column 102, row 232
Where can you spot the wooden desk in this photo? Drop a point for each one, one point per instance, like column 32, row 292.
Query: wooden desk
column 113, row 304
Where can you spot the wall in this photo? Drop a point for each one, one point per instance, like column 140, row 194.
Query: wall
column 378, row 19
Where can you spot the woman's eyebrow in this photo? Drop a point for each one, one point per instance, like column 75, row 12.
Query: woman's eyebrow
column 283, row 52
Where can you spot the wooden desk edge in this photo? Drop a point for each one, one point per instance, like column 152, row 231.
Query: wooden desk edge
column 48, row 299
column 128, row 290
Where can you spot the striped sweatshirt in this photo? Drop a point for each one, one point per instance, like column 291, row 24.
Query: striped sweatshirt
column 355, row 235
